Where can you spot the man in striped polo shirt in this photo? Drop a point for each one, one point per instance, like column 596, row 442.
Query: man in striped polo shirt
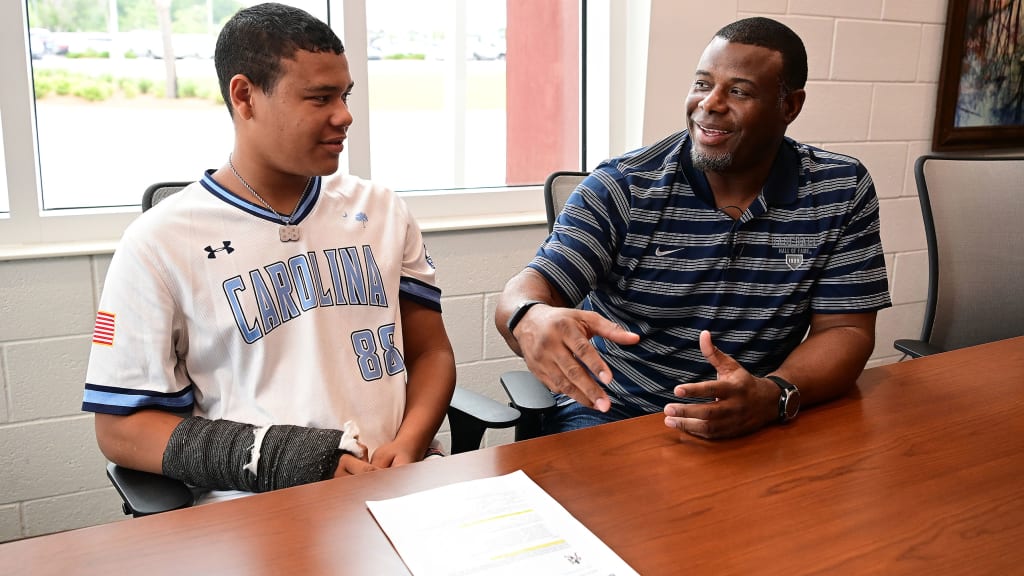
column 722, row 276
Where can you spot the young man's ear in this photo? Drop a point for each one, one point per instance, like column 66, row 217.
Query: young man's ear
column 792, row 104
column 241, row 90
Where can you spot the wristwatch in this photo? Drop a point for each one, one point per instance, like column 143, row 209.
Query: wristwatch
column 789, row 400
column 521, row 309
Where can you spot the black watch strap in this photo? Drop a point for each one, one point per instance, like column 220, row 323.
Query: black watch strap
column 517, row 315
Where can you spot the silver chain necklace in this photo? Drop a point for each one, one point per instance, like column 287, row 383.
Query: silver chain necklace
column 287, row 232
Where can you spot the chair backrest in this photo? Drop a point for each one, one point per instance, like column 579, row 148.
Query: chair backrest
column 973, row 208
column 157, row 192
column 557, row 189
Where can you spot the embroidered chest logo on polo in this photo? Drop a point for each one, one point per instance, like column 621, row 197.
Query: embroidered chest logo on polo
column 793, row 247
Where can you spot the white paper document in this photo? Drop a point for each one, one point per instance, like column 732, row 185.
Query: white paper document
column 501, row 525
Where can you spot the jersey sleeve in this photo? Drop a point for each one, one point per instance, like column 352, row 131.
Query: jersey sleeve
column 418, row 281
column 137, row 340
column 854, row 278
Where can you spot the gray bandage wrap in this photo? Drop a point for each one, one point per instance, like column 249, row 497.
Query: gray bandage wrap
column 293, row 455
column 214, row 453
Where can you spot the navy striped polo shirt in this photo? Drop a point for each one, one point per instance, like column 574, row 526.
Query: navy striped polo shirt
column 641, row 242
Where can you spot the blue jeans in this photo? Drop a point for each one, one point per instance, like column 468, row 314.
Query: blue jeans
column 571, row 415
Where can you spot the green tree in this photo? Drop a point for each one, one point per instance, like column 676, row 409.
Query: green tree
column 137, row 15
column 69, row 15
column 187, row 16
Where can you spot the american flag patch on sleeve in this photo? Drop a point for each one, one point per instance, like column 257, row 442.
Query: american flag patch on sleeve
column 103, row 331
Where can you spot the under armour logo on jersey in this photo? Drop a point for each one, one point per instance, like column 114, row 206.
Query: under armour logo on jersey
column 211, row 252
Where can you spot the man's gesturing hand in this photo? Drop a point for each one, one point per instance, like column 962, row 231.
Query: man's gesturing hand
column 555, row 342
column 740, row 403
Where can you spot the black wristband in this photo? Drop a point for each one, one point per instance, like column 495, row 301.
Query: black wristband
column 517, row 315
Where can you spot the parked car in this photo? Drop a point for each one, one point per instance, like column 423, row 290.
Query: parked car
column 89, row 43
column 40, row 42
column 150, row 44
column 482, row 50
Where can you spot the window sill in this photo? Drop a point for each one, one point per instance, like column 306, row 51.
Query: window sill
column 435, row 212
column 55, row 250
column 479, row 222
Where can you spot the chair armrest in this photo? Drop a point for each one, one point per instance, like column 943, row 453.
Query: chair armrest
column 525, row 392
column 487, row 411
column 144, row 493
column 916, row 348
column 471, row 414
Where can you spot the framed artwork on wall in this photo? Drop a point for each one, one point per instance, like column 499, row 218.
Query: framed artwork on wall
column 981, row 82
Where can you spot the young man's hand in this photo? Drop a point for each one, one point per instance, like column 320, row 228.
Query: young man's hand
column 395, row 454
column 352, row 465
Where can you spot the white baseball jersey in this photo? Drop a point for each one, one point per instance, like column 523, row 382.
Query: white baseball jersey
column 206, row 311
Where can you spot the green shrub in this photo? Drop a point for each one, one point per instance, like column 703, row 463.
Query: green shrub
column 129, row 90
column 93, row 91
column 44, row 87
column 188, row 89
column 62, row 86
column 105, row 86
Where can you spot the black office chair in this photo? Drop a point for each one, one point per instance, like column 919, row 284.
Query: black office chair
column 557, row 189
column 157, row 192
column 469, row 416
column 972, row 207
column 526, row 394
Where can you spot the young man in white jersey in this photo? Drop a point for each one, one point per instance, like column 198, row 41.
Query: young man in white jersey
column 269, row 326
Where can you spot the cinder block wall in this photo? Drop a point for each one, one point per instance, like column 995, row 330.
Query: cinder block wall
column 873, row 78
column 51, row 473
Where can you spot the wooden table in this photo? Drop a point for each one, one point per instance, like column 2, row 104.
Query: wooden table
column 920, row 471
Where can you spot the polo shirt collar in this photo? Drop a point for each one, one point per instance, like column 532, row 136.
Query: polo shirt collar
column 780, row 188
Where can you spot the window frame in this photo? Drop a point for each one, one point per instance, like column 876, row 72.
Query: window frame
column 612, row 117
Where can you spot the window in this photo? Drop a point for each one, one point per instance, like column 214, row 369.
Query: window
column 474, row 94
column 476, row 98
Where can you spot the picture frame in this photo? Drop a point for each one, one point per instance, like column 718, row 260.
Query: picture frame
column 980, row 101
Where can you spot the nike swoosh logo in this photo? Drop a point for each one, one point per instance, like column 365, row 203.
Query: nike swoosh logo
column 659, row 252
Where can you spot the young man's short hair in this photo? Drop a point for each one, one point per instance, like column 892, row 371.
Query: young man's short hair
column 255, row 40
